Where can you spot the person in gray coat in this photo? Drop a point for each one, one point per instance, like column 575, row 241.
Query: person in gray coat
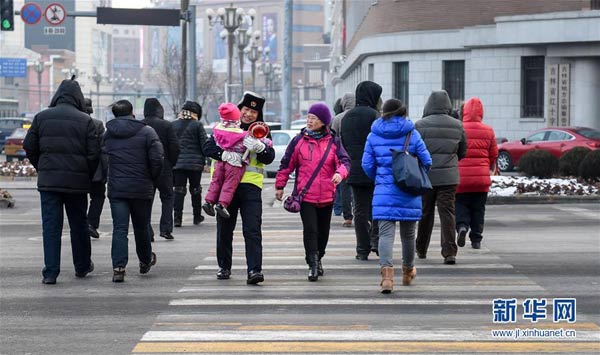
column 445, row 139
column 343, row 193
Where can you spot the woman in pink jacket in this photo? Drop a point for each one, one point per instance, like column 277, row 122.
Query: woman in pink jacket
column 303, row 155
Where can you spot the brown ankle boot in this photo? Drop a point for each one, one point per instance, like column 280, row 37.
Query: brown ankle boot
column 387, row 279
column 408, row 274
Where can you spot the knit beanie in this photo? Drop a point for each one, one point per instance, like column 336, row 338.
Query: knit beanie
column 229, row 112
column 321, row 110
column 193, row 107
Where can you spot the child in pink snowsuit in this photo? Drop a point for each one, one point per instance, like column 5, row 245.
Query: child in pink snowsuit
column 226, row 177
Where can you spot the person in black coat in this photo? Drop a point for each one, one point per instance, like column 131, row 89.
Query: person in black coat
column 63, row 147
column 154, row 117
column 98, row 188
column 356, row 126
column 191, row 161
column 135, row 162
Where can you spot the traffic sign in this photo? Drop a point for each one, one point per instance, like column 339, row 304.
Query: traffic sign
column 55, row 14
column 31, row 13
column 13, row 67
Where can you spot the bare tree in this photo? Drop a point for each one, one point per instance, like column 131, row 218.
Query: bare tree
column 209, row 87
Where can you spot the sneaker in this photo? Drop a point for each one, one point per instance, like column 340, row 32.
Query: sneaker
column 347, row 223
column 167, row 236
column 93, row 232
column 209, row 209
column 118, row 274
column 255, row 277
column 222, row 211
column 223, row 274
column 462, row 235
column 476, row 245
column 84, row 273
column 198, row 219
column 144, row 268
column 450, row 260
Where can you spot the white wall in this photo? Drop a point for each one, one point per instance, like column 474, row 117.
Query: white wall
column 585, row 92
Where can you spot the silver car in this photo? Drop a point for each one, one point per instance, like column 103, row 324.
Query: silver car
column 281, row 139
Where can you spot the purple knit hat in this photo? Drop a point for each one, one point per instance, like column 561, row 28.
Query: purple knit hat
column 321, row 110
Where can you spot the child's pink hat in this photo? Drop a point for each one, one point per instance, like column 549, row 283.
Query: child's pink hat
column 229, row 112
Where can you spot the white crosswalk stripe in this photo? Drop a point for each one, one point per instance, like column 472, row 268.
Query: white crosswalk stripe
column 287, row 313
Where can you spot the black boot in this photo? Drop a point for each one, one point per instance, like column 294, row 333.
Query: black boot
column 320, row 268
column 313, row 267
column 177, row 219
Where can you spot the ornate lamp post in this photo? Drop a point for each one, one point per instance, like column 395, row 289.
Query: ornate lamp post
column 97, row 77
column 38, row 66
column 231, row 18
column 242, row 41
column 253, row 54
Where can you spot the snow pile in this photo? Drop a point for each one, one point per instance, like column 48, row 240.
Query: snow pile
column 17, row 168
column 520, row 185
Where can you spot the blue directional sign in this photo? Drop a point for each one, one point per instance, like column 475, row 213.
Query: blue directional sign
column 31, row 13
column 13, row 67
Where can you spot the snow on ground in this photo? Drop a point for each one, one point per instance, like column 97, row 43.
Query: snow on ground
column 17, row 168
column 521, row 185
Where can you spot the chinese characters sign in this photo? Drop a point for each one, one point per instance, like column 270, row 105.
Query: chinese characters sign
column 559, row 91
column 13, row 67
column 563, row 310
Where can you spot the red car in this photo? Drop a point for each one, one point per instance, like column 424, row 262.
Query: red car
column 556, row 140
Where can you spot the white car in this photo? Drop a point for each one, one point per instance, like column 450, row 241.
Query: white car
column 281, row 139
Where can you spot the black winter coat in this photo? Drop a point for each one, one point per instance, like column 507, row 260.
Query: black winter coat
column 62, row 143
column 101, row 171
column 169, row 141
column 135, row 158
column 192, row 136
column 356, row 126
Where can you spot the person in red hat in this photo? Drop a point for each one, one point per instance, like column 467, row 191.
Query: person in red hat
column 229, row 171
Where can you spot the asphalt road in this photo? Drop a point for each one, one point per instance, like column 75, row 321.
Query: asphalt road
column 529, row 251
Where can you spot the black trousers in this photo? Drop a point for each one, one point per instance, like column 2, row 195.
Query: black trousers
column 248, row 200
column 180, row 180
column 316, row 222
column 367, row 233
column 97, row 198
column 165, row 192
column 470, row 213
column 443, row 197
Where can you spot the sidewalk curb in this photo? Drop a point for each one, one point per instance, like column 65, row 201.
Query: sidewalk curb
column 536, row 200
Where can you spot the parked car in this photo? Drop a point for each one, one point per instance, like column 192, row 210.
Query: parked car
column 9, row 124
column 281, row 139
column 556, row 140
column 13, row 147
column 298, row 124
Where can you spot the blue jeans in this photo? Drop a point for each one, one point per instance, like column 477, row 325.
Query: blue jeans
column 342, row 205
column 140, row 211
column 52, row 225
column 387, row 231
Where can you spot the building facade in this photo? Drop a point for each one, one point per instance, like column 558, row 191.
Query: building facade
column 532, row 63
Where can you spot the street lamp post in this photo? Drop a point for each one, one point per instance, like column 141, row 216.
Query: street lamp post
column 97, row 77
column 266, row 70
column 231, row 18
column 253, row 54
column 38, row 66
column 242, row 41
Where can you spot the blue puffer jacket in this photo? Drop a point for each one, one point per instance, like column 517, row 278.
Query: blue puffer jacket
column 389, row 202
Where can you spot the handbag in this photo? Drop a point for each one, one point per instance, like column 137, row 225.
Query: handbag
column 293, row 202
column 409, row 175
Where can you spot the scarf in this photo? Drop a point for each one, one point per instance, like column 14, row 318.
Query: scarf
column 315, row 134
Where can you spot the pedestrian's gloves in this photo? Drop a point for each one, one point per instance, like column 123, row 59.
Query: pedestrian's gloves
column 232, row 158
column 254, row 144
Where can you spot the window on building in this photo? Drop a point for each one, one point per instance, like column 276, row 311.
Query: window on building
column 371, row 74
column 532, row 86
column 400, row 84
column 595, row 5
column 9, row 80
column 453, row 81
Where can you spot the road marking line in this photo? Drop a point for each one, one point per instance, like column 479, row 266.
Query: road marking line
column 342, row 336
column 336, row 258
column 366, row 347
column 325, row 301
column 374, row 286
column 366, row 266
